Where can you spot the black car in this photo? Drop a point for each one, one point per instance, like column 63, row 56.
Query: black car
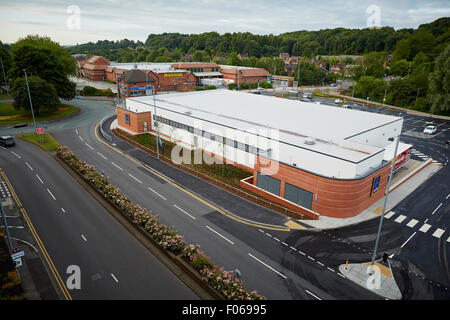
column 7, row 141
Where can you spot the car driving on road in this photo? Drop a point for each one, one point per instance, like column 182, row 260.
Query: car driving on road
column 7, row 141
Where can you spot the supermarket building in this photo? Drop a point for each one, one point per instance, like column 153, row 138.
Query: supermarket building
column 314, row 159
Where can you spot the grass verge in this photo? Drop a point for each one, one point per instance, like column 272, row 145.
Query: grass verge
column 10, row 116
column 45, row 141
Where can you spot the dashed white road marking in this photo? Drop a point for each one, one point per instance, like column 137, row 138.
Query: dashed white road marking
column 184, row 211
column 81, row 138
column 29, row 166
column 285, row 244
column 438, row 233
column 117, row 166
column 341, row 275
column 89, row 146
column 448, row 239
column 331, row 269
column 311, row 258
column 156, row 193
column 220, row 235
column 301, row 252
column 76, row 131
column 114, row 277
column 447, row 196
column 425, row 228
column 62, row 209
column 436, row 208
column 39, row 179
column 102, row 156
column 312, row 294
column 412, row 223
column 320, row 263
column 389, row 214
column 135, row 178
column 293, row 248
column 84, row 238
column 51, row 194
column 408, row 240
column 267, row 266
column 400, row 219
column 16, row 155
column 276, row 239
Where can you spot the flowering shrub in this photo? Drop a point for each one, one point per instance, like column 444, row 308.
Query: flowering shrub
column 166, row 236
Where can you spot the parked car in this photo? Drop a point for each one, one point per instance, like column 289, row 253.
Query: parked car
column 429, row 129
column 333, row 85
column 347, row 106
column 307, row 95
column 7, row 141
column 338, row 101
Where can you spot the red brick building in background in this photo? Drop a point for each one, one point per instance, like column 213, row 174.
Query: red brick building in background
column 94, row 68
column 135, row 82
column 244, row 74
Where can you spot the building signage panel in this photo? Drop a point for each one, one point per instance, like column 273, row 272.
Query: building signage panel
column 141, row 88
column 170, row 75
column 375, row 185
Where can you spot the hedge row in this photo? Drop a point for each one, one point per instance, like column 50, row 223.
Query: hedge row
column 221, row 280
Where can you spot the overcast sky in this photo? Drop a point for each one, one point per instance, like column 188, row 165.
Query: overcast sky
column 135, row 19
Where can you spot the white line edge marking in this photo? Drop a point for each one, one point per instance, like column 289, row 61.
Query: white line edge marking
column 219, row 234
column 81, row 138
column 115, row 279
column 156, row 193
column 135, row 178
column 313, row 295
column 102, row 155
column 184, row 211
column 39, row 179
column 408, row 240
column 116, row 166
column 16, row 154
column 436, row 209
column 267, row 265
column 340, row 274
column 84, row 238
column 89, row 146
column 51, row 194
column 29, row 166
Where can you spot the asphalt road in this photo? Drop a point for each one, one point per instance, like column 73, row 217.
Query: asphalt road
column 77, row 230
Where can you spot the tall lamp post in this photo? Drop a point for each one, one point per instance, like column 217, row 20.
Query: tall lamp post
column 157, row 130
column 394, row 158
column 31, row 104
column 4, row 76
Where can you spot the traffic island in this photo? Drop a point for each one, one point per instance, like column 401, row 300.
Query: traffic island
column 378, row 279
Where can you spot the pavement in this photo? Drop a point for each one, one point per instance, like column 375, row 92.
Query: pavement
column 378, row 278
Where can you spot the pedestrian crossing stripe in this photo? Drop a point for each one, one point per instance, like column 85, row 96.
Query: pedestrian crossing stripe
column 400, row 219
column 412, row 223
column 389, row 214
column 438, row 233
column 425, row 228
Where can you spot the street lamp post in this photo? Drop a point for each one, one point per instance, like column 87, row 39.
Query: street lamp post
column 31, row 104
column 157, row 130
column 4, row 76
column 394, row 158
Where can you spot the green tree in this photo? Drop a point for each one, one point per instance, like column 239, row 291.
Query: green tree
column 402, row 50
column 399, row 68
column 370, row 87
column 440, row 83
column 43, row 94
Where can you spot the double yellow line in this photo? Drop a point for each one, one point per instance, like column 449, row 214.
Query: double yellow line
column 55, row 273
column 186, row 191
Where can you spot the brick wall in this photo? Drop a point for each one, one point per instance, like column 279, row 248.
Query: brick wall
column 136, row 120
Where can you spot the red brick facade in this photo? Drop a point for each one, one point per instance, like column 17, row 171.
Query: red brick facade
column 134, row 122
column 335, row 197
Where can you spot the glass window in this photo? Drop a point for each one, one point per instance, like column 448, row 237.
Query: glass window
column 298, row 195
column 268, row 183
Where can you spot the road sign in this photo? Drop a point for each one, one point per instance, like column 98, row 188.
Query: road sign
column 17, row 255
column 17, row 262
column 39, row 130
column 295, row 84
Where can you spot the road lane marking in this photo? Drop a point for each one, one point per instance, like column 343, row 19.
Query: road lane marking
column 135, row 178
column 276, row 239
column 184, row 211
column 293, row 248
column 220, row 235
column 312, row 294
column 84, row 238
column 47, row 258
column 302, row 252
column 438, row 233
column 400, row 219
column 412, row 223
column 285, row 244
column 311, row 258
column 51, row 194
column 81, row 138
column 407, row 240
column 448, row 240
column 425, row 227
column 39, row 179
column 389, row 214
column 102, row 156
column 89, row 146
column 117, row 166
column 331, row 269
column 29, row 166
column 447, row 196
column 320, row 263
column 267, row 266
column 341, row 275
column 436, row 209
column 62, row 209
column 156, row 193
column 114, row 277
column 76, row 130
column 16, row 155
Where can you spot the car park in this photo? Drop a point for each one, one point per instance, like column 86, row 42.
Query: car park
column 429, row 129
column 7, row 141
